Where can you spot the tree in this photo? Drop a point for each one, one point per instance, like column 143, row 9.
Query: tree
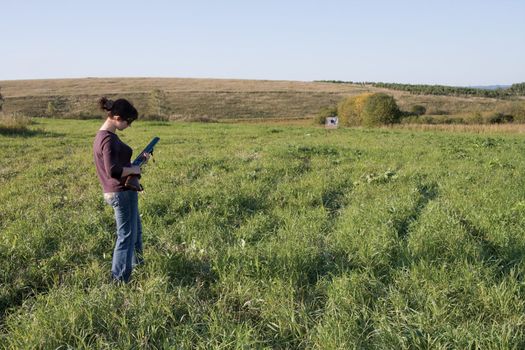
column 380, row 109
column 350, row 109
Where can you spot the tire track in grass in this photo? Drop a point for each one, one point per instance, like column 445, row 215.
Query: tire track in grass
column 385, row 279
column 238, row 213
column 253, row 215
column 307, row 300
column 427, row 193
column 489, row 250
column 334, row 201
column 328, row 262
column 309, row 295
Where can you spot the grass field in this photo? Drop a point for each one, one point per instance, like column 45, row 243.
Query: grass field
column 268, row 236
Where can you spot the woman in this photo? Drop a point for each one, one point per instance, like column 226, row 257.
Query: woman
column 113, row 164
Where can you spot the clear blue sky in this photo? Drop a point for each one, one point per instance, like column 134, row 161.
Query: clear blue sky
column 452, row 42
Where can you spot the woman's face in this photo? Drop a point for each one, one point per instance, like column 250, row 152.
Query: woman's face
column 120, row 123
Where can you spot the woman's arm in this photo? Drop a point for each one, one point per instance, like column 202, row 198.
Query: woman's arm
column 132, row 170
column 135, row 169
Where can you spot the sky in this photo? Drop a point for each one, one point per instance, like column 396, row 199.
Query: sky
column 449, row 42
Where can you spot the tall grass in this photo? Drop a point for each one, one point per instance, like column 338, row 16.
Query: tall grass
column 268, row 237
column 13, row 123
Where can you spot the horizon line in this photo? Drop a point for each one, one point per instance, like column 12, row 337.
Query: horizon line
column 259, row 79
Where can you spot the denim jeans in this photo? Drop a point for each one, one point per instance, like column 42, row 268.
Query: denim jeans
column 128, row 247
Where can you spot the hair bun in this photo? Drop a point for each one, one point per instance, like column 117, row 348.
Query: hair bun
column 105, row 104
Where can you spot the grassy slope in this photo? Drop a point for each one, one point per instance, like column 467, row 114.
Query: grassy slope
column 212, row 97
column 268, row 236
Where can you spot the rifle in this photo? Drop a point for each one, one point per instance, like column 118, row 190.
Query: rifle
column 132, row 181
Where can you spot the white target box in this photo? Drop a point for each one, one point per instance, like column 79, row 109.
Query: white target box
column 331, row 123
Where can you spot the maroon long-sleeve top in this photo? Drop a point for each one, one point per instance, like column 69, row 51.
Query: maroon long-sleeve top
column 111, row 155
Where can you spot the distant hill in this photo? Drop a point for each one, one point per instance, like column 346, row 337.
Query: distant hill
column 178, row 98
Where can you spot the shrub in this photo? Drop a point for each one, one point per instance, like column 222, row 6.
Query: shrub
column 500, row 118
column 418, row 110
column 156, row 109
column 411, row 119
column 475, row 118
column 58, row 106
column 437, row 111
column 326, row 112
column 14, row 122
column 350, row 109
column 51, row 109
column 517, row 110
column 380, row 109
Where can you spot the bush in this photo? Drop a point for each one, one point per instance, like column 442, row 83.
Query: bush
column 475, row 118
column 380, row 109
column 51, row 109
column 411, row 119
column 326, row 112
column 418, row 110
column 156, row 109
column 437, row 111
column 14, row 122
column 369, row 110
column 500, row 118
column 350, row 110
column 517, row 110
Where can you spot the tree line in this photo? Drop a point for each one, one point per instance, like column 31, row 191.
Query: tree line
column 422, row 89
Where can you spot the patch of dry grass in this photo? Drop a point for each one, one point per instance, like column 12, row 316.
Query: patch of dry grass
column 14, row 123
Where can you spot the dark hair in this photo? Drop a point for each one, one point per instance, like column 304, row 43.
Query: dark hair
column 120, row 107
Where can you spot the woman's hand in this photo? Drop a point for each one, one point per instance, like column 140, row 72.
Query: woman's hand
column 146, row 156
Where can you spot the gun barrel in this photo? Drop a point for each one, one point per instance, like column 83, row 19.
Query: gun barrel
column 148, row 149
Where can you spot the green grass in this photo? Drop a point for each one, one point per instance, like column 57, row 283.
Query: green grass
column 267, row 237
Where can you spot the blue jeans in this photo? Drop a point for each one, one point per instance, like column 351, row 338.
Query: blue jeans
column 128, row 247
